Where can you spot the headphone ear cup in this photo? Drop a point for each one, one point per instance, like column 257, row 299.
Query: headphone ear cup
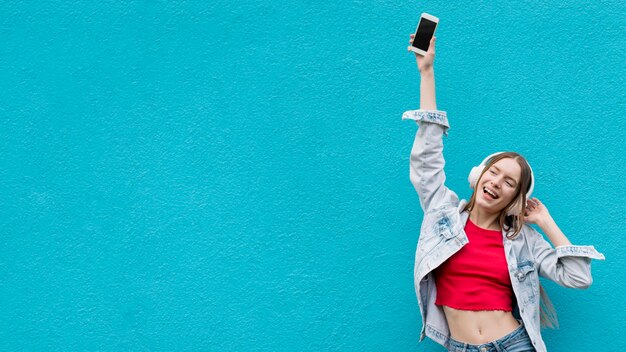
column 516, row 208
column 474, row 175
column 512, row 209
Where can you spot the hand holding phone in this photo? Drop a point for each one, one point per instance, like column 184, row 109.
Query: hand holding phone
column 425, row 62
column 423, row 41
column 424, row 32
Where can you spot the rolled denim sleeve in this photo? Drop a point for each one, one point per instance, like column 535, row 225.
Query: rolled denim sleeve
column 568, row 265
column 426, row 162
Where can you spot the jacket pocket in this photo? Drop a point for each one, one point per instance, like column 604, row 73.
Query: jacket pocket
column 526, row 276
column 445, row 228
column 435, row 233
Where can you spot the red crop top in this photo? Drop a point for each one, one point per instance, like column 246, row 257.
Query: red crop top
column 476, row 277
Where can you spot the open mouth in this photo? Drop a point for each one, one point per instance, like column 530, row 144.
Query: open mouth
column 489, row 194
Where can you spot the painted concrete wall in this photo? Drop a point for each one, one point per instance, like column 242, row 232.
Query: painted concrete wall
column 234, row 175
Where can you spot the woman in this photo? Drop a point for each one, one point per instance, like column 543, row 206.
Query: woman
column 478, row 263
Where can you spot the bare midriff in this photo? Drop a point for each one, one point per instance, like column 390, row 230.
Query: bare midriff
column 478, row 327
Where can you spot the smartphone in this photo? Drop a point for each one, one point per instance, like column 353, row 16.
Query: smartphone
column 424, row 32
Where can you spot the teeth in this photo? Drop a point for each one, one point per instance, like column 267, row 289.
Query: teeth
column 492, row 194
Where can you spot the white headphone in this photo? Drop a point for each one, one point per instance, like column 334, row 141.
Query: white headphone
column 516, row 209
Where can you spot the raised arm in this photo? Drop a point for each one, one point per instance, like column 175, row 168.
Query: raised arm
column 427, row 73
column 568, row 265
column 427, row 162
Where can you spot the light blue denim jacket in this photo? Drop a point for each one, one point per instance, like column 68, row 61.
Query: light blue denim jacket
column 442, row 234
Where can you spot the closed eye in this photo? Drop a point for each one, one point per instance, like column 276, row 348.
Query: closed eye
column 508, row 183
column 495, row 167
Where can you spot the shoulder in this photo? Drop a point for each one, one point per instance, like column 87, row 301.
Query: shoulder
column 442, row 215
column 445, row 208
column 530, row 235
column 461, row 205
column 530, row 231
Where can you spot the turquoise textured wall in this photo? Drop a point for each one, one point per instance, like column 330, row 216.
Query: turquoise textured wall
column 234, row 175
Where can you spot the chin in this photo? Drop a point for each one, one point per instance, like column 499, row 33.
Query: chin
column 488, row 207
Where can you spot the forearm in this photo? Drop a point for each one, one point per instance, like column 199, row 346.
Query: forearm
column 556, row 236
column 427, row 90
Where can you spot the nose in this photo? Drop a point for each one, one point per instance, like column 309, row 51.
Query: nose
column 498, row 180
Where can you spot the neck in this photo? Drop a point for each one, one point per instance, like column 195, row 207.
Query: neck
column 485, row 220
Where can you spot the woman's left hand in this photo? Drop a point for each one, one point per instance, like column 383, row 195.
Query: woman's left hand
column 535, row 211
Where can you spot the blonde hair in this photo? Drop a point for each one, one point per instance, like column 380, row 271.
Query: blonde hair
column 548, row 316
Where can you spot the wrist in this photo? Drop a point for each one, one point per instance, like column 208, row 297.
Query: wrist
column 428, row 72
column 544, row 222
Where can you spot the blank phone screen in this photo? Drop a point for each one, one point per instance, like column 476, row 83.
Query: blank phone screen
column 424, row 33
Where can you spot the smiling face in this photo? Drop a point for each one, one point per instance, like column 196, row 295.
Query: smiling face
column 503, row 179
